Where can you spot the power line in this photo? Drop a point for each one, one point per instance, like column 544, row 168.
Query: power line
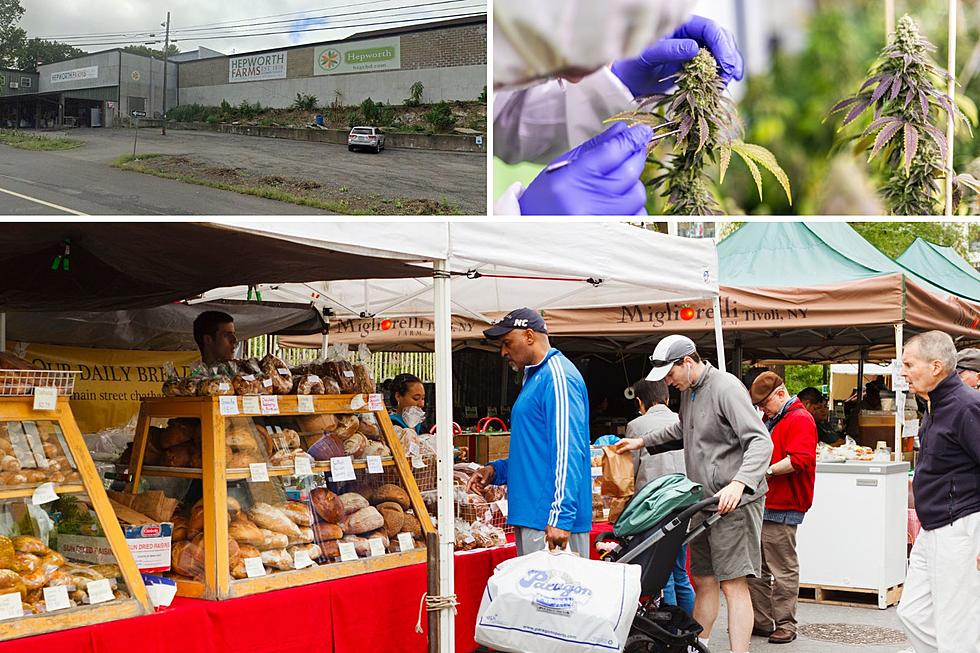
column 151, row 33
column 299, row 31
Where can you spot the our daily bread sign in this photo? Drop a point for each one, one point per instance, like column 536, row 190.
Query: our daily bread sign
column 91, row 72
column 270, row 65
column 358, row 57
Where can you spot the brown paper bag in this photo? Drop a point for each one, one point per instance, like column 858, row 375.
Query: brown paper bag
column 617, row 474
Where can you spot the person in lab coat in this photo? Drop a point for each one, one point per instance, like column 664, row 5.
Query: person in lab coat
column 561, row 67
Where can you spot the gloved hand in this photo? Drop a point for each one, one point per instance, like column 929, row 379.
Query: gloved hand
column 646, row 74
column 602, row 177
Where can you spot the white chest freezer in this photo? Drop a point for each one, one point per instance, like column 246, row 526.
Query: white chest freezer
column 855, row 535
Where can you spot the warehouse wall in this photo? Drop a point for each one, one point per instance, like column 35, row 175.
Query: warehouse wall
column 147, row 75
column 108, row 63
column 390, row 87
column 17, row 76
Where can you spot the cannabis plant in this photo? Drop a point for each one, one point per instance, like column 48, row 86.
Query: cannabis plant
column 705, row 130
column 904, row 92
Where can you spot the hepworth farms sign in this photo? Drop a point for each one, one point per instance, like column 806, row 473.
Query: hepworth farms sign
column 257, row 67
column 358, row 57
column 78, row 74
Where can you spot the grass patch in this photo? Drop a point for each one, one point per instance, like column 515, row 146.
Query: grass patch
column 27, row 141
column 302, row 192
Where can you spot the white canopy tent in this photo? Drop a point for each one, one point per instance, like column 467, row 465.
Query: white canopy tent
column 431, row 267
column 482, row 267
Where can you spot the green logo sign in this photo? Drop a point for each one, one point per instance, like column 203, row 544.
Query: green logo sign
column 330, row 59
column 370, row 55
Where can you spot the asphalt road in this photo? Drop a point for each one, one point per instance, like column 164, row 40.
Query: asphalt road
column 83, row 181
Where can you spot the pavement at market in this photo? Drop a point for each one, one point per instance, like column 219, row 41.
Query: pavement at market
column 810, row 615
column 82, row 180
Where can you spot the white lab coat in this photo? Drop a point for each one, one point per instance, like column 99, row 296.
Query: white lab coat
column 541, row 122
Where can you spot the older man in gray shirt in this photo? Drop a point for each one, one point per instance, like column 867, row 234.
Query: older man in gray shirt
column 727, row 450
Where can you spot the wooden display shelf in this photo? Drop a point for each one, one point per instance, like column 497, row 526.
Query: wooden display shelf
column 21, row 409
column 240, row 473
column 214, row 476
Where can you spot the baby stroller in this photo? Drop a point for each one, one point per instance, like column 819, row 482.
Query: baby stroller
column 650, row 533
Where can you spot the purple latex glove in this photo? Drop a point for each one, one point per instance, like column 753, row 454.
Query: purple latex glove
column 645, row 75
column 599, row 177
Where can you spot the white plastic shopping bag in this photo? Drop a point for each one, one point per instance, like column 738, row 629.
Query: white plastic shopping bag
column 558, row 603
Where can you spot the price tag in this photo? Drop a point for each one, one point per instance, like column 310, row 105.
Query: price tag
column 283, row 371
column 596, row 489
column 11, row 606
column 375, row 402
column 269, row 404
column 228, row 405
column 342, row 469
column 469, row 539
column 258, row 472
column 417, row 462
column 358, row 402
column 413, row 449
column 303, row 466
column 347, row 551
column 56, row 598
column 405, row 542
column 349, row 374
column 502, row 504
column 250, row 405
column 254, row 567
column 45, row 398
column 304, row 403
column 44, row 494
column 248, row 377
column 596, row 472
column 377, row 546
column 224, row 387
column 267, row 383
column 301, row 559
column 374, row 465
column 99, row 591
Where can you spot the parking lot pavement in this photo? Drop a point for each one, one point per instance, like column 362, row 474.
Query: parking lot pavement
column 457, row 178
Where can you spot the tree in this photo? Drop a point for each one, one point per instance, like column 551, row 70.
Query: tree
column 892, row 238
column 36, row 52
column 12, row 38
column 145, row 51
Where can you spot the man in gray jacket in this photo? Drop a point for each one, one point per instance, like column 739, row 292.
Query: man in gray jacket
column 727, row 450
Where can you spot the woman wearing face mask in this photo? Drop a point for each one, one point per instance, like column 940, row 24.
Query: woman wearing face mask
column 407, row 392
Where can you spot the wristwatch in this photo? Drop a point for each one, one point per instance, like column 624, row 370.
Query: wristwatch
column 769, row 471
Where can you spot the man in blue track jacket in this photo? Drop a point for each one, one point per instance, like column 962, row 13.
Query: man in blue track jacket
column 548, row 474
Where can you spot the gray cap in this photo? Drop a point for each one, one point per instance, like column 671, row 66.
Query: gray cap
column 968, row 359
column 670, row 350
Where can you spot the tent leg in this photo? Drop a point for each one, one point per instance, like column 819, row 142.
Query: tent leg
column 3, row 332
column 737, row 358
column 899, row 396
column 719, row 339
column 323, row 345
column 860, row 378
column 444, row 448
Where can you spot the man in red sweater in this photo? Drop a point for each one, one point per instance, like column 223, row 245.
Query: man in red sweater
column 790, row 475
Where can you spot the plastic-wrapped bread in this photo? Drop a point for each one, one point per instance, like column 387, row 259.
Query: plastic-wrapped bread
column 275, row 369
column 342, row 372
column 308, row 384
column 363, row 380
column 215, row 386
column 247, row 384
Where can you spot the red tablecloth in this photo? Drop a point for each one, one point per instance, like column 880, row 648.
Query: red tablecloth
column 374, row 612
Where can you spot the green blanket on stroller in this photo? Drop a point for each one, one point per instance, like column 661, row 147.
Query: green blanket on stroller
column 656, row 500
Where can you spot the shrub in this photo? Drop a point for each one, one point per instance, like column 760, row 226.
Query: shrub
column 376, row 113
column 441, row 117
column 416, row 95
column 249, row 111
column 305, row 102
column 483, row 95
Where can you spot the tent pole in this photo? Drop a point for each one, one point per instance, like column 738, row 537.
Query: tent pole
column 719, row 339
column 899, row 394
column 737, row 358
column 950, row 123
column 860, row 380
column 3, row 332
column 444, row 448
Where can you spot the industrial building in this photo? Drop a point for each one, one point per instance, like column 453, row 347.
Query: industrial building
column 448, row 57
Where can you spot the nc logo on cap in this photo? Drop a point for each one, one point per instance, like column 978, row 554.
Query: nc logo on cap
column 520, row 323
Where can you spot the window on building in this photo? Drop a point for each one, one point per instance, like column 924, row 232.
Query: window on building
column 25, row 82
column 3, row 80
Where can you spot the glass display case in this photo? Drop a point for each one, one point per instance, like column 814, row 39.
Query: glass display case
column 278, row 490
column 64, row 561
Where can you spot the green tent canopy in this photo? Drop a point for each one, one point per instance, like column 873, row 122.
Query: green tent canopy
column 941, row 265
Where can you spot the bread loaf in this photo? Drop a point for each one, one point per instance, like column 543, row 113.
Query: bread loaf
column 354, row 445
column 245, row 532
column 24, row 563
column 275, row 369
column 389, row 492
column 29, row 544
column 411, row 524
column 327, row 505
column 361, row 545
column 298, row 512
column 347, row 426
column 247, row 384
column 248, row 551
column 272, row 518
column 352, row 502
column 308, row 384
column 305, row 536
column 10, row 582
column 362, row 521
column 179, row 456
column 187, row 559
column 329, row 548
column 394, row 517
column 215, row 386
column 323, row 532
column 312, row 550
column 375, row 448
column 272, row 540
column 277, row 559
column 369, row 427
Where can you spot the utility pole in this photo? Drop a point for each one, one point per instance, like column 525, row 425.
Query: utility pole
column 166, row 47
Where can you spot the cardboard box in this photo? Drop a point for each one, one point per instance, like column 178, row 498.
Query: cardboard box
column 483, row 447
column 149, row 544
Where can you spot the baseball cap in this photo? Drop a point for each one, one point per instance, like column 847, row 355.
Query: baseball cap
column 520, row 318
column 670, row 350
column 763, row 387
column 968, row 359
